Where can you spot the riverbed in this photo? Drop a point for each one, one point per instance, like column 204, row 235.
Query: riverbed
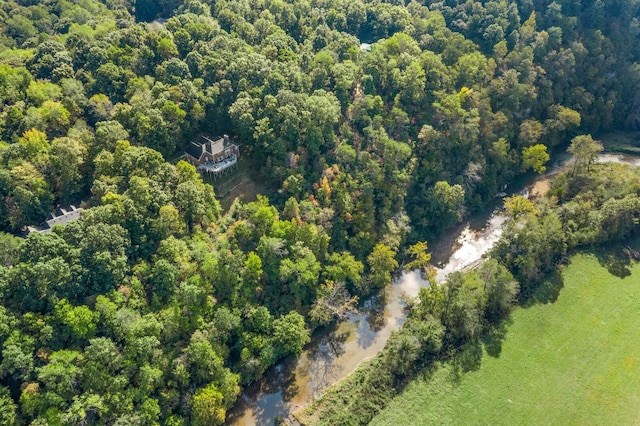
column 336, row 351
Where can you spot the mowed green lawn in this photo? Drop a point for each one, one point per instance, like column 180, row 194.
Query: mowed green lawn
column 572, row 362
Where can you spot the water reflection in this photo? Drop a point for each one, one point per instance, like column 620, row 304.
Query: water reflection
column 619, row 158
column 471, row 246
column 336, row 351
column 332, row 354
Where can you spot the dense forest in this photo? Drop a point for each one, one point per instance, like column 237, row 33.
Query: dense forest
column 157, row 306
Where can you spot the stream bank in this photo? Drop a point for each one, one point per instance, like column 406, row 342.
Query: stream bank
column 336, row 351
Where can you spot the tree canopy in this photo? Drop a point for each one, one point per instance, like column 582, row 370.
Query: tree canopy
column 158, row 305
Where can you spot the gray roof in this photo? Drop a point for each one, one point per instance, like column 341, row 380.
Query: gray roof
column 64, row 217
column 60, row 217
column 194, row 149
column 212, row 146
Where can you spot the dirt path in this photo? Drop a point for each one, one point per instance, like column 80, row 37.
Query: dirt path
column 242, row 187
column 540, row 188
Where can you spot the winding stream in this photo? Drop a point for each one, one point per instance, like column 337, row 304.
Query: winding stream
column 336, row 351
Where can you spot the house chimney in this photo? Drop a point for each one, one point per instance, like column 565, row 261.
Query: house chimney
column 226, row 139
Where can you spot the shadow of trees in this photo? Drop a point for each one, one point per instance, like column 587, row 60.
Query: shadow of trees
column 546, row 291
column 469, row 358
column 615, row 259
column 492, row 339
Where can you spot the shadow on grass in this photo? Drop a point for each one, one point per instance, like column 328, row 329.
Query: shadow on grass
column 547, row 291
column 493, row 338
column 469, row 358
column 615, row 259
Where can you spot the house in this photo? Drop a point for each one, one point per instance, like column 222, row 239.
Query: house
column 61, row 217
column 212, row 156
column 206, row 150
column 365, row 47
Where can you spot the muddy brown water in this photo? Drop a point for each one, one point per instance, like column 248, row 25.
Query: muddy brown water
column 336, row 351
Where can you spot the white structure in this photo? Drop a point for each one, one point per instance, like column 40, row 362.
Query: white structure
column 218, row 167
column 63, row 218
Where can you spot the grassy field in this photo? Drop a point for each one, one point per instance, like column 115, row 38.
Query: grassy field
column 573, row 361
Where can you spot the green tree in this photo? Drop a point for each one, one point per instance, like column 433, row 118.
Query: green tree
column 535, row 157
column 530, row 132
column 618, row 218
column 343, row 267
column 35, row 142
column 518, row 206
column 382, row 263
column 530, row 247
column 196, row 202
column 207, row 407
column 252, row 275
column 17, row 357
column 447, row 200
column 290, row 334
column 204, row 363
column 107, row 134
column 301, row 272
column 81, row 320
column 60, row 374
column 103, row 254
column 500, row 288
column 10, row 248
column 585, row 150
column 465, row 303
column 86, row 408
column 421, row 258
column 163, row 279
column 67, row 158
column 7, row 408
column 169, row 222
column 100, row 367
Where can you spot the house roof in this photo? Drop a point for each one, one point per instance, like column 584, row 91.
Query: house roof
column 60, row 217
column 64, row 216
column 194, row 150
column 212, row 146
